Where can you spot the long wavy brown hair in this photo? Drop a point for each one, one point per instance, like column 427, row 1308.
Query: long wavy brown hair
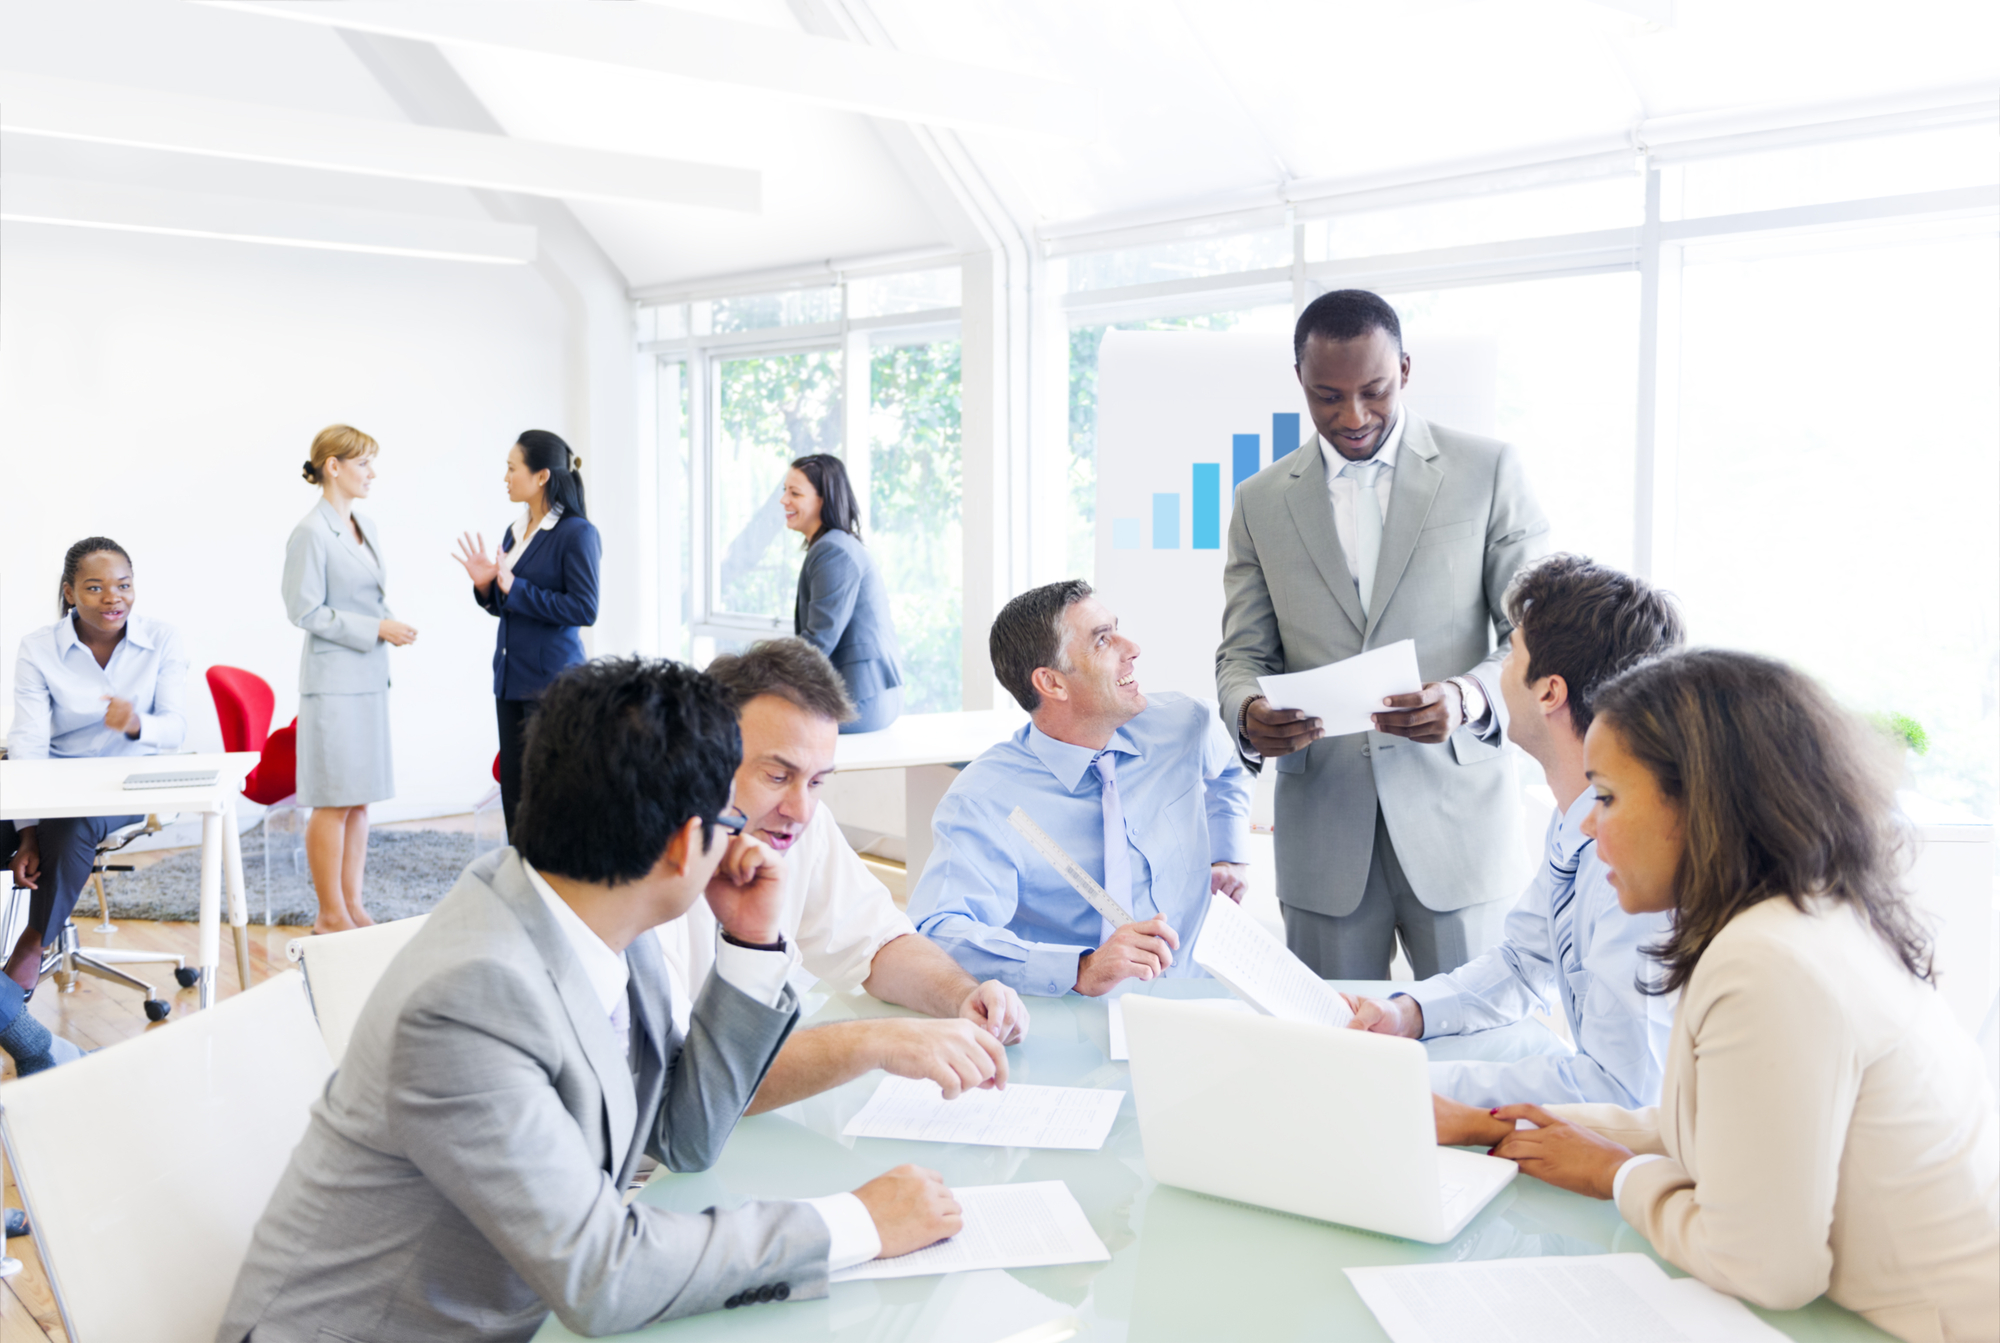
column 1783, row 795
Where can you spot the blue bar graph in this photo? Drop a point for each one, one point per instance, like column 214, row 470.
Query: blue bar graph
column 1206, row 533
column 1246, row 451
column 1125, row 534
column 1166, row 522
column 1284, row 434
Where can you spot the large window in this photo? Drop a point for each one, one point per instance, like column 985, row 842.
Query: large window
column 868, row 371
column 770, row 410
column 1836, row 475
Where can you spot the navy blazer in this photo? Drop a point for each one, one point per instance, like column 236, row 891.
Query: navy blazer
column 554, row 594
column 843, row 611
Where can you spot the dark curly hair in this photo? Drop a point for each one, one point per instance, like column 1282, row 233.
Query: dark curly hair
column 621, row 753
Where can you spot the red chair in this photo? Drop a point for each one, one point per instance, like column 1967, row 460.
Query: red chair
column 243, row 706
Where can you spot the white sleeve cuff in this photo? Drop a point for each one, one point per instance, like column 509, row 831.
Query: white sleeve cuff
column 757, row 974
column 1618, row 1180
column 850, row 1229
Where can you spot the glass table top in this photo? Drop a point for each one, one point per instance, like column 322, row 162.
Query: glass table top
column 1183, row 1266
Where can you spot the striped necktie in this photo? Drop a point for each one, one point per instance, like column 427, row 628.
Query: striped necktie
column 1563, row 899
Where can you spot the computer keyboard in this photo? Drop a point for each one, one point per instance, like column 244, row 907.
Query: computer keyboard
column 179, row 778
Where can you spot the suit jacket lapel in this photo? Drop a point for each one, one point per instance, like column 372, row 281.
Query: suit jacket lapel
column 1312, row 514
column 1410, row 499
column 587, row 1016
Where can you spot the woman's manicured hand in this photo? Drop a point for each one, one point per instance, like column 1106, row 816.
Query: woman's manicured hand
column 480, row 567
column 1467, row 1125
column 396, row 632
column 1560, row 1153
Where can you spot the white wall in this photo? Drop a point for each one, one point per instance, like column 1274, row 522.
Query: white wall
column 163, row 391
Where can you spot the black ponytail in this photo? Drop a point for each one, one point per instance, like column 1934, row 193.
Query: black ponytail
column 77, row 554
column 544, row 451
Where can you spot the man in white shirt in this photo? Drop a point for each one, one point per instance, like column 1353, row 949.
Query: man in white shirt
column 790, row 704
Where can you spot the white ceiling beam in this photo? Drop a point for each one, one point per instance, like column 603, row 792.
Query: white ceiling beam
column 796, row 66
column 134, row 209
column 180, row 123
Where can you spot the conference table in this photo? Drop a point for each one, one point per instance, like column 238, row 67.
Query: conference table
column 1183, row 1267
column 94, row 786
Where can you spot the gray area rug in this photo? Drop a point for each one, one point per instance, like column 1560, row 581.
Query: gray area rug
column 408, row 872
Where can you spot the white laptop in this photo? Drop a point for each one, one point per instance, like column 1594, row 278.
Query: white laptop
column 1315, row 1120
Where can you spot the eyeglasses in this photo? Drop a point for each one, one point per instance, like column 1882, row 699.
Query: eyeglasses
column 733, row 821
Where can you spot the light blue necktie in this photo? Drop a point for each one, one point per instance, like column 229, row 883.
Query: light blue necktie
column 1367, row 526
column 1117, row 857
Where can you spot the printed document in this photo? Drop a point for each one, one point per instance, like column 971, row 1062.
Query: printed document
column 1006, row 1226
column 1121, row 1052
column 1600, row 1298
column 1261, row 970
column 1342, row 694
column 1021, row 1116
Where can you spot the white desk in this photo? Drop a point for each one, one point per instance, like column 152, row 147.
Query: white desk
column 928, row 748
column 95, row 787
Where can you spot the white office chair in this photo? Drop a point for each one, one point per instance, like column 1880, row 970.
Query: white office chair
column 342, row 969
column 148, row 1245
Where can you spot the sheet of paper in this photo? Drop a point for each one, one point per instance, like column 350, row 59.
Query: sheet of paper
column 1342, row 694
column 1021, row 1116
column 1006, row 1226
column 1261, row 970
column 1115, row 1010
column 1605, row 1298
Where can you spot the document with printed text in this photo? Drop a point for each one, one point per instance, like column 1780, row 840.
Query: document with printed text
column 1020, row 1116
column 1261, row 970
column 1115, row 1009
column 1342, row 694
column 1006, row 1226
column 1598, row 1298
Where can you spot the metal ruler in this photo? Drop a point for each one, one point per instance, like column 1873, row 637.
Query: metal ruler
column 1072, row 871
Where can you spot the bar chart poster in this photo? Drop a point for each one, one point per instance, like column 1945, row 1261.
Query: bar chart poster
column 1183, row 417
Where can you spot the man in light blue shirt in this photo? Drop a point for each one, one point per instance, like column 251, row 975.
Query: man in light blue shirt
column 1099, row 759
column 1576, row 624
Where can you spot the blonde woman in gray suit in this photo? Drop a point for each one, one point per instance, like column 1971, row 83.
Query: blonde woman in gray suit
column 334, row 592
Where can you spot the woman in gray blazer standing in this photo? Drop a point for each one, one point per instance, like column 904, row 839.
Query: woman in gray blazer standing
column 843, row 608
column 333, row 591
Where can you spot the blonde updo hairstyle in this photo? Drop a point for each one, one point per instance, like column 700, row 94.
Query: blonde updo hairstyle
column 337, row 441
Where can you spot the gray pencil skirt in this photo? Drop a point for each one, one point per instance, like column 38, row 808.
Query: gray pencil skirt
column 344, row 758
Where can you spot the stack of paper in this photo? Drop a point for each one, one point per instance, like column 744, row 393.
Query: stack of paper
column 1115, row 1010
column 1006, row 1226
column 1261, row 970
column 1343, row 694
column 1604, row 1298
column 1020, row 1116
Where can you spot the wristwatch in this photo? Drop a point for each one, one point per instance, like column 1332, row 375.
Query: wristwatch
column 735, row 941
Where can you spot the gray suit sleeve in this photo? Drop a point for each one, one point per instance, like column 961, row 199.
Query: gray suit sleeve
column 306, row 598
column 1251, row 646
column 731, row 1042
column 1517, row 534
column 483, row 1120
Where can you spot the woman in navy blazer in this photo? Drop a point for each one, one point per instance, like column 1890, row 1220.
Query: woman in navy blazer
column 543, row 586
column 843, row 608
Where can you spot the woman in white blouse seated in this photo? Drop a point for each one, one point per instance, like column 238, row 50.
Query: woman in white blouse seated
column 1824, row 1124
column 100, row 681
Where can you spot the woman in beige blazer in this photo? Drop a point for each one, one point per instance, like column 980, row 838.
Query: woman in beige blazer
column 1824, row 1124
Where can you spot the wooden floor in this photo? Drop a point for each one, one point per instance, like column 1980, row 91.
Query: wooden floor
column 99, row 1014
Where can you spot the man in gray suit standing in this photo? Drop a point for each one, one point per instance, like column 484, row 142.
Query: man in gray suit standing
column 1385, row 527
column 462, row 1174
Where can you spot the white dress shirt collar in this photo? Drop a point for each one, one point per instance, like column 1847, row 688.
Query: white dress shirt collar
column 522, row 536
column 604, row 968
column 1070, row 762
column 1385, row 454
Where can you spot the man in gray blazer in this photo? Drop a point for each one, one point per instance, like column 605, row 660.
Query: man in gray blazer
column 462, row 1175
column 1385, row 527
